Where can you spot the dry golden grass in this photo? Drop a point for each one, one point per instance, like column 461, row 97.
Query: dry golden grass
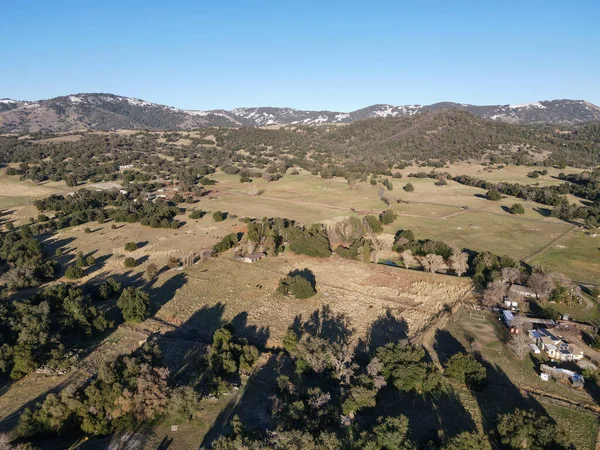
column 363, row 292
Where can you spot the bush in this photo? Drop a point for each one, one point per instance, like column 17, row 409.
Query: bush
column 226, row 243
column 387, row 217
column 173, row 262
column 296, row 285
column 441, row 182
column 113, row 227
column 493, row 195
column 10, row 226
column 373, row 223
column 58, row 253
column 130, row 262
column 517, row 208
column 218, row 216
column 131, row 247
column 465, row 369
column 409, row 187
column 109, row 288
column 79, row 261
column 311, row 242
column 134, row 304
column 245, row 180
column 42, row 218
column 90, row 261
column 87, row 230
column 151, row 271
column 196, row 214
column 74, row 272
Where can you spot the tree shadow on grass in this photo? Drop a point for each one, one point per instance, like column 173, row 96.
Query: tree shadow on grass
column 325, row 324
column 257, row 336
column 446, row 345
column 10, row 422
column 384, row 330
column 252, row 406
column 502, row 397
column 201, row 326
column 433, row 417
column 161, row 295
column 546, row 212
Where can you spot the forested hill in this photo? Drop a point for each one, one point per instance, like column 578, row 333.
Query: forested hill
column 111, row 112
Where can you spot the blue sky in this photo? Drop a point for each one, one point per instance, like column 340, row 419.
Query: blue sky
column 303, row 54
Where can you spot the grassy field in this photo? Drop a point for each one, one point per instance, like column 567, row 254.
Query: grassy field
column 454, row 213
column 577, row 256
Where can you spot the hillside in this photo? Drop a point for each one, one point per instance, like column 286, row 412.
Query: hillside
column 110, row 112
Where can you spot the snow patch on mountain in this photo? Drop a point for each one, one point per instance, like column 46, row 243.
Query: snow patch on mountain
column 528, row 105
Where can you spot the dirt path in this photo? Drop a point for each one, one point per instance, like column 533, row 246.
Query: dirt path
column 550, row 244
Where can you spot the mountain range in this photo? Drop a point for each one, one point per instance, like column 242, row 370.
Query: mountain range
column 109, row 112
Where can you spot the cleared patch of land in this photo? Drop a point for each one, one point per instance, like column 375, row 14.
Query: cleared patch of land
column 222, row 290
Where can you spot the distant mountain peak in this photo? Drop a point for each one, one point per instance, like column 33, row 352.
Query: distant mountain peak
column 109, row 111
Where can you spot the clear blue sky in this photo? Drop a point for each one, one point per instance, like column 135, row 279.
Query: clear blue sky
column 304, row 54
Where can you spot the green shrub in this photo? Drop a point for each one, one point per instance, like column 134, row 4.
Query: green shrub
column 517, row 208
column 297, row 286
column 134, row 304
column 218, row 216
column 226, row 243
column 131, row 247
column 74, row 272
column 465, row 369
column 387, row 217
column 90, row 261
column 42, row 218
column 409, row 187
column 197, row 214
column 493, row 195
column 373, row 223
column 130, row 262
column 311, row 242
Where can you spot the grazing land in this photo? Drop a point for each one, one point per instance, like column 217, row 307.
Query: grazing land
column 230, row 282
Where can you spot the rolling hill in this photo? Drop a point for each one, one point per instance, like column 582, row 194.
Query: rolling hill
column 109, row 112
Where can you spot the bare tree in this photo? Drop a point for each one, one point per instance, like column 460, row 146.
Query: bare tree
column 560, row 278
column 542, row 285
column 206, row 254
column 376, row 244
column 510, row 275
column 345, row 231
column 433, row 263
column 459, row 262
column 189, row 260
column 407, row 258
column 519, row 343
column 494, row 293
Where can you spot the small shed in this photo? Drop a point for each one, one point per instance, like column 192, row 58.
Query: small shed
column 253, row 257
